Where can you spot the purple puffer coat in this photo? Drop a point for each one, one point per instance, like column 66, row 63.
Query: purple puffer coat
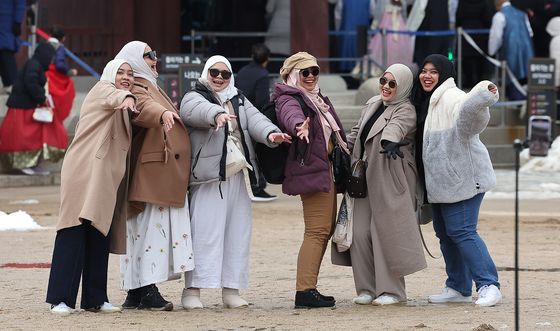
column 313, row 172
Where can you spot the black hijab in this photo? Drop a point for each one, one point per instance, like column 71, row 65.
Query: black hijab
column 421, row 100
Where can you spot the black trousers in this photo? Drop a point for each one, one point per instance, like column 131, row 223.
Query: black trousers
column 79, row 251
column 8, row 67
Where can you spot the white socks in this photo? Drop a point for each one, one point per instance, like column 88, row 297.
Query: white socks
column 231, row 298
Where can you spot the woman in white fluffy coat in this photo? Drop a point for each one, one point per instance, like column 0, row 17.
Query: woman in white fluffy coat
column 457, row 171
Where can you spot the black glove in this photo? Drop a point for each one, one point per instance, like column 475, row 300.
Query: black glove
column 16, row 29
column 392, row 149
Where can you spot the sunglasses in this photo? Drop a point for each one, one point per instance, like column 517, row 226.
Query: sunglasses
column 313, row 71
column 215, row 72
column 383, row 81
column 151, row 54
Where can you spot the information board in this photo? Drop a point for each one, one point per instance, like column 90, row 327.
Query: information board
column 172, row 62
column 188, row 76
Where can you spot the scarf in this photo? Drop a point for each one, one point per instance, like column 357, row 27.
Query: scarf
column 110, row 71
column 227, row 93
column 133, row 53
column 403, row 77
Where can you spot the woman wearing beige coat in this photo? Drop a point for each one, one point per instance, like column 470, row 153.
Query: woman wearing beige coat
column 92, row 192
column 386, row 243
column 159, row 243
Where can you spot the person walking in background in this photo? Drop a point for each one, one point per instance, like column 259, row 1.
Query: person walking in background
column 386, row 243
column 474, row 14
column 25, row 142
column 309, row 171
column 391, row 15
column 278, row 32
column 216, row 112
column 158, row 242
column 353, row 13
column 93, row 190
column 61, row 86
column 253, row 80
column 11, row 17
column 428, row 15
column 457, row 171
column 511, row 34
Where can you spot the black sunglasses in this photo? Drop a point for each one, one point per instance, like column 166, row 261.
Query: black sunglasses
column 215, row 72
column 151, row 54
column 383, row 81
column 313, row 71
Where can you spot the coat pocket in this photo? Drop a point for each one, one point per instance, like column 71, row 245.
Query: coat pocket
column 396, row 169
column 104, row 147
column 153, row 157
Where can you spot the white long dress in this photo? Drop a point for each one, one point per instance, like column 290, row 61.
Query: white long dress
column 158, row 246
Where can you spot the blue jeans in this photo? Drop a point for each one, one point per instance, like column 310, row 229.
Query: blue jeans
column 465, row 254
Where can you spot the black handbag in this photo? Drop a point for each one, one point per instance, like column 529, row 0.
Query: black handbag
column 356, row 186
column 341, row 168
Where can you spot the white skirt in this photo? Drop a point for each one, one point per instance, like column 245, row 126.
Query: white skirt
column 158, row 246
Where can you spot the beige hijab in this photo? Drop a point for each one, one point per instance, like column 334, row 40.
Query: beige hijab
column 404, row 78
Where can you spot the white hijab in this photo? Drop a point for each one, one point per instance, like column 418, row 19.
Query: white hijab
column 230, row 91
column 110, row 71
column 133, row 54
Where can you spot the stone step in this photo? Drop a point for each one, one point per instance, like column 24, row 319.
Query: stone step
column 341, row 98
column 502, row 156
column 502, row 135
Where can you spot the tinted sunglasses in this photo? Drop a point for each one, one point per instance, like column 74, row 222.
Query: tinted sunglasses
column 151, row 54
column 313, row 71
column 215, row 72
column 383, row 81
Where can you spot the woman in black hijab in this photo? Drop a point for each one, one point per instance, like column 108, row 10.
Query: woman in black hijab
column 421, row 100
column 456, row 171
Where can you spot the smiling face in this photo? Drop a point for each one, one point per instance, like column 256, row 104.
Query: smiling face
column 429, row 77
column 387, row 92
column 125, row 77
column 218, row 83
column 151, row 63
column 311, row 80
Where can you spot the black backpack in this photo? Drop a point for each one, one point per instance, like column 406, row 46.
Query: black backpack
column 272, row 161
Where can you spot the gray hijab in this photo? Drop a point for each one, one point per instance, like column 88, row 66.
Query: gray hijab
column 404, row 79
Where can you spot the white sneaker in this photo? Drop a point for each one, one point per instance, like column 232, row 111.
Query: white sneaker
column 363, row 299
column 384, row 300
column 488, row 296
column 191, row 298
column 448, row 295
column 231, row 298
column 106, row 307
column 61, row 309
column 28, row 171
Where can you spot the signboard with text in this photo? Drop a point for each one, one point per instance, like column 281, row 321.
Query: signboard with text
column 188, row 76
column 541, row 73
column 541, row 90
column 172, row 62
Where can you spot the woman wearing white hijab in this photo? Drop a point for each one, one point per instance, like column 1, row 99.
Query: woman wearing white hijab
column 92, row 192
column 386, row 243
column 221, row 217
column 159, row 245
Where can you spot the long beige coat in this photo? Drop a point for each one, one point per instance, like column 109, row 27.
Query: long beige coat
column 95, row 165
column 391, row 187
column 161, row 161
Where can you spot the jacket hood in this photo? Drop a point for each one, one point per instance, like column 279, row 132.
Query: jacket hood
column 44, row 54
column 553, row 26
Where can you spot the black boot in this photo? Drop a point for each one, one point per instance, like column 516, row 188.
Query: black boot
column 152, row 300
column 132, row 300
column 312, row 299
column 326, row 297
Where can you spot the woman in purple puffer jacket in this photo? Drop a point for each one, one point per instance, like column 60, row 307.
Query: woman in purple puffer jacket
column 308, row 171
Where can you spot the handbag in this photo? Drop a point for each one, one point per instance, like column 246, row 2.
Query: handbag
column 235, row 160
column 343, row 233
column 43, row 114
column 357, row 185
column 341, row 167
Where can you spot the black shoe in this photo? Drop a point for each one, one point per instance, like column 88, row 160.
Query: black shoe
column 152, row 300
column 312, row 299
column 326, row 297
column 262, row 196
column 132, row 300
